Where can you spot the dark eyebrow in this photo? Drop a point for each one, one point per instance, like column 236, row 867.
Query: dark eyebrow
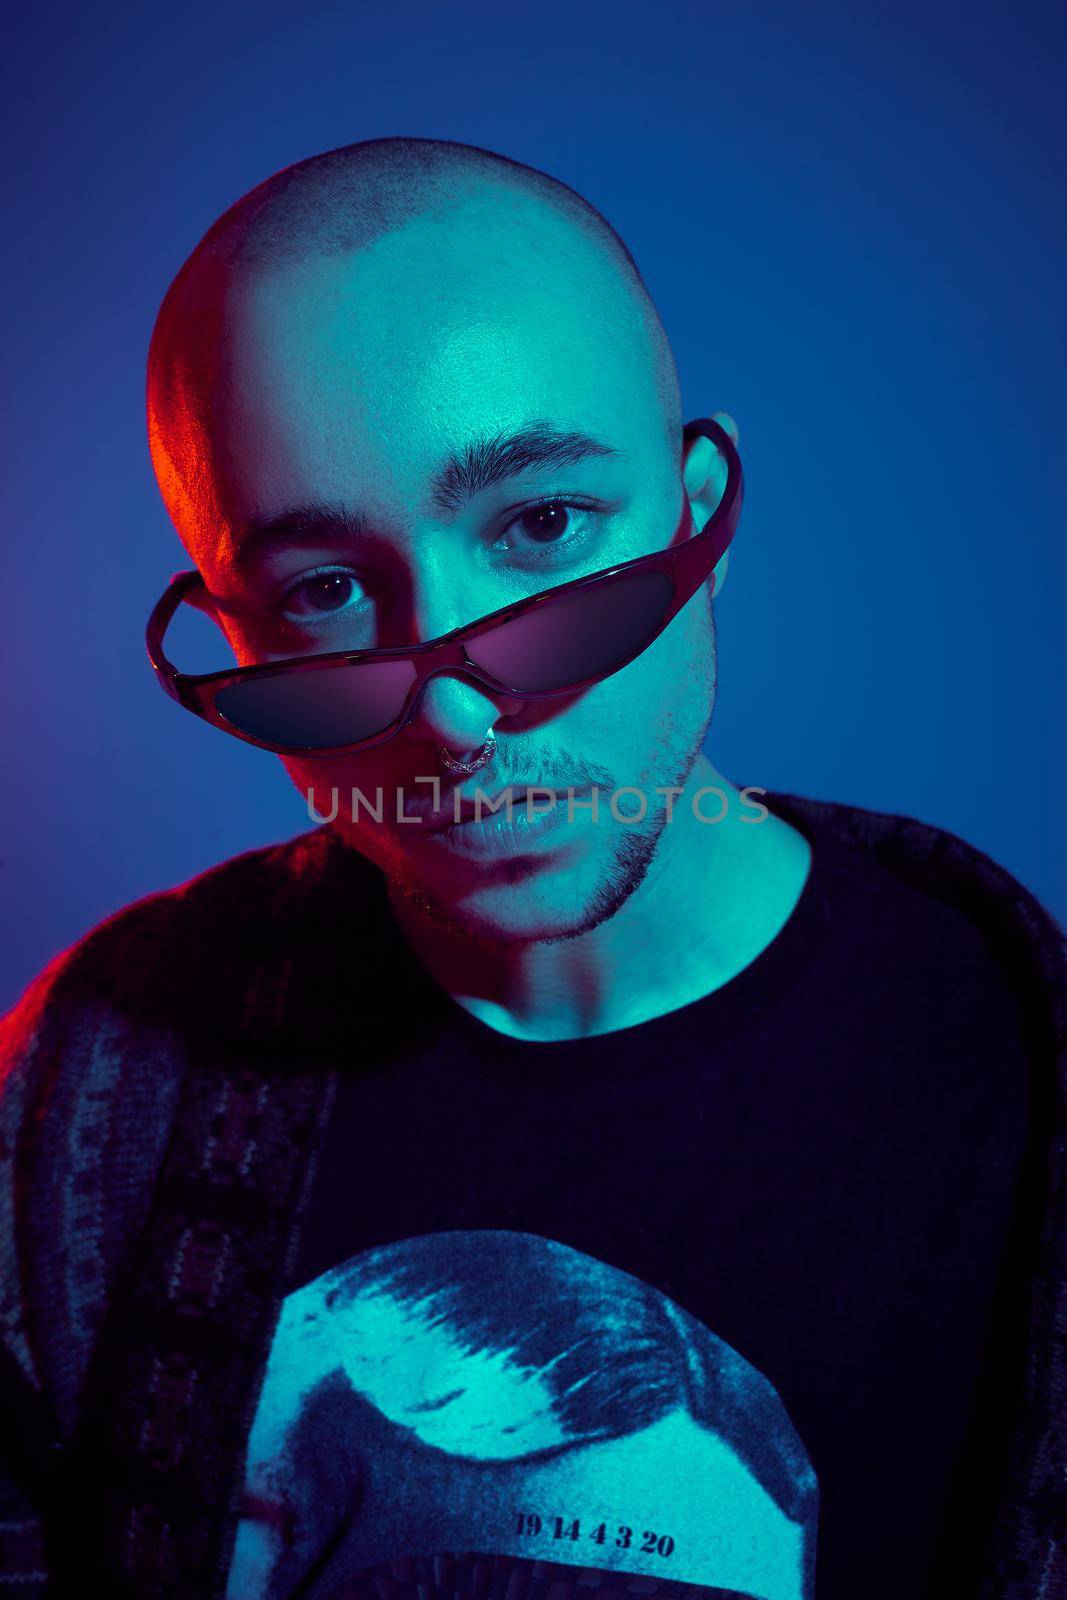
column 459, row 478
column 488, row 461
column 261, row 537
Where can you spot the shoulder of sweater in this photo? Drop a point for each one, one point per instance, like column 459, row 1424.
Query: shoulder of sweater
column 206, row 963
column 165, row 942
column 938, row 864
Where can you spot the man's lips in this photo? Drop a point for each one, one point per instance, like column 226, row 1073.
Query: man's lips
column 491, row 805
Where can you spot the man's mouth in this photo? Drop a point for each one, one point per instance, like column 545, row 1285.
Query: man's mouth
column 459, row 809
column 516, row 820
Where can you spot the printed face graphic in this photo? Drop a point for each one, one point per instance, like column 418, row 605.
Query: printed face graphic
column 375, row 383
column 501, row 1392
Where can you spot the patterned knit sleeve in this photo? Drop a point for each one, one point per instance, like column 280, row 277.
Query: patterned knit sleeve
column 87, row 1088
column 29, row 1440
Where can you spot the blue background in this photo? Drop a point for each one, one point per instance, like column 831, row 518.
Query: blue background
column 852, row 219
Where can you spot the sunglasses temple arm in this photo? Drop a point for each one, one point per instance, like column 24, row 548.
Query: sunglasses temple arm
column 158, row 623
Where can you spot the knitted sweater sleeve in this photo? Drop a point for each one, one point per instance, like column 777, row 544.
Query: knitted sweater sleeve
column 88, row 1085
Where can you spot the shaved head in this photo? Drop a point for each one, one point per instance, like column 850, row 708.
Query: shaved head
column 343, row 202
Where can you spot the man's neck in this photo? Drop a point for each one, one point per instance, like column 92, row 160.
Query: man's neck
column 715, row 895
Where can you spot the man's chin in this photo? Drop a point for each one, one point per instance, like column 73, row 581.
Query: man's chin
column 520, row 902
column 500, row 916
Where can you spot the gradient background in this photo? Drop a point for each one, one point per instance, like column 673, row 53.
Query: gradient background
column 852, row 219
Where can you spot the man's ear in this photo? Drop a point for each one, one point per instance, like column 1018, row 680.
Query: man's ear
column 704, row 478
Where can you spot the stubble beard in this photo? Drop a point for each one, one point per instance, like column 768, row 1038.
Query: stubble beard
column 633, row 850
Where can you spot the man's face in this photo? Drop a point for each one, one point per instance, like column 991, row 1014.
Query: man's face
column 352, row 381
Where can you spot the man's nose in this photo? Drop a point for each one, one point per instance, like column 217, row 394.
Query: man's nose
column 457, row 713
column 453, row 710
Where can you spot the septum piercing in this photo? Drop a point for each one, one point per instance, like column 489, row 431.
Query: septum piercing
column 462, row 769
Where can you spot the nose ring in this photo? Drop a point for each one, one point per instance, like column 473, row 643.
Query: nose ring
column 463, row 769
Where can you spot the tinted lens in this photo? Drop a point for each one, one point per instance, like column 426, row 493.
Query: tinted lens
column 319, row 710
column 586, row 634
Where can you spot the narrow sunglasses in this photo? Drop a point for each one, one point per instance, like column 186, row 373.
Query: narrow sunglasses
column 557, row 642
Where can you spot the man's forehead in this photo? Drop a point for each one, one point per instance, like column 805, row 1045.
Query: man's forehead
column 279, row 372
column 436, row 302
column 356, row 378
column 324, row 374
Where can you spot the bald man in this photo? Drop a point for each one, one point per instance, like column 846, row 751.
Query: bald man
column 538, row 965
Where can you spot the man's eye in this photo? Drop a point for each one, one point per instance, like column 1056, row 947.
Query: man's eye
column 550, row 522
column 322, row 594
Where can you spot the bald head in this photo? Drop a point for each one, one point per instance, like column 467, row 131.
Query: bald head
column 458, row 209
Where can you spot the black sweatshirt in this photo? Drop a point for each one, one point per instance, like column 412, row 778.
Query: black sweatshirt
column 843, row 1163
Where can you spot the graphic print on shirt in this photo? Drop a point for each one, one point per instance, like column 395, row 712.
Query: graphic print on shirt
column 496, row 1391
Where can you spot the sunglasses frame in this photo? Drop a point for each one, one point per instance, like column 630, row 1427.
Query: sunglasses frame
column 687, row 561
